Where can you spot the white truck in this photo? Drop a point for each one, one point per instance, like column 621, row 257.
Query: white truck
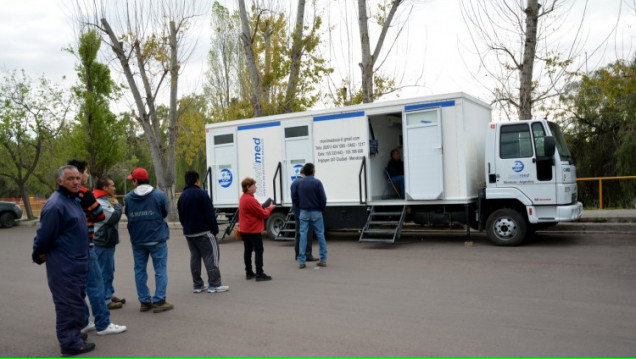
column 509, row 178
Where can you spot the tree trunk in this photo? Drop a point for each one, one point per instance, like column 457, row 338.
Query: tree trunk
column 26, row 201
column 295, row 56
column 529, row 51
column 255, row 94
column 367, row 59
column 171, row 166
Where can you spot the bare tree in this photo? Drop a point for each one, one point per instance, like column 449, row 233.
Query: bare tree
column 517, row 44
column 149, row 40
column 369, row 60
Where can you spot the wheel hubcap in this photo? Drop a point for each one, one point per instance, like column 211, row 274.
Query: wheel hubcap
column 505, row 228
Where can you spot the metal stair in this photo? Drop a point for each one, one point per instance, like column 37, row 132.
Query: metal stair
column 384, row 224
column 288, row 230
column 228, row 216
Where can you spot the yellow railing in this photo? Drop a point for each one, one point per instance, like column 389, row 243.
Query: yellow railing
column 600, row 185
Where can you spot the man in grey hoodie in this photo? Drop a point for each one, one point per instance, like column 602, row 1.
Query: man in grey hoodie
column 146, row 209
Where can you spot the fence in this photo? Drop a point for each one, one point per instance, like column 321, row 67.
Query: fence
column 600, row 185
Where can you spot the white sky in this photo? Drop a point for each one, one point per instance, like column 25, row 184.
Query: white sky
column 34, row 32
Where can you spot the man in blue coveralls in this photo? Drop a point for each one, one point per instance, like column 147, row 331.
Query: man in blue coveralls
column 62, row 244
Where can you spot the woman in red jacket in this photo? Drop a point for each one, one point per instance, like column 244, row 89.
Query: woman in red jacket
column 251, row 216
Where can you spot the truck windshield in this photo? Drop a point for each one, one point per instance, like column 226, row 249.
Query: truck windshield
column 564, row 153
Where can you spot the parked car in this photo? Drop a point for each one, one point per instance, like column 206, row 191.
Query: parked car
column 9, row 212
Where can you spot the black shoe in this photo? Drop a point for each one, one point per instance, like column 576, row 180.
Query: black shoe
column 311, row 258
column 249, row 276
column 262, row 277
column 302, row 265
column 87, row 347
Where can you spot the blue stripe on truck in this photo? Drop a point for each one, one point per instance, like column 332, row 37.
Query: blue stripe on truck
column 258, row 125
column 423, row 106
column 339, row 116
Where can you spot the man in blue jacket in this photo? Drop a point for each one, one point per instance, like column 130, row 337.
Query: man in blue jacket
column 197, row 216
column 146, row 208
column 62, row 243
column 312, row 200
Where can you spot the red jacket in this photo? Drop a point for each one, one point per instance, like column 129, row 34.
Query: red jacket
column 252, row 214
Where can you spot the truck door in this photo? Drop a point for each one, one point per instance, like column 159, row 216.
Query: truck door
column 423, row 162
column 298, row 151
column 225, row 179
column 519, row 166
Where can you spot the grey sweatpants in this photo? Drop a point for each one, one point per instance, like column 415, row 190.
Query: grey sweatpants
column 204, row 247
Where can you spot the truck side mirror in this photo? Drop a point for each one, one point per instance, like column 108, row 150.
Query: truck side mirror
column 549, row 145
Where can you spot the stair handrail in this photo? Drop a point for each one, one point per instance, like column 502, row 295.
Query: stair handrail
column 279, row 173
column 363, row 167
column 208, row 175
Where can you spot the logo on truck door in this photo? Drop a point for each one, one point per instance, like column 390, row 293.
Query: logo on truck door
column 225, row 179
column 518, row 166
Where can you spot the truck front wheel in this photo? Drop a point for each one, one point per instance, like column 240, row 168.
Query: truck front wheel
column 506, row 227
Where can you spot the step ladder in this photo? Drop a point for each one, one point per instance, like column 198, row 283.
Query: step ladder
column 384, row 224
column 288, row 230
column 227, row 216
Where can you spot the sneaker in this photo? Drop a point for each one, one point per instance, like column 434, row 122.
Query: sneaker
column 118, row 300
column 112, row 328
column 88, row 328
column 311, row 258
column 87, row 347
column 162, row 306
column 145, row 307
column 114, row 305
column 322, row 264
column 262, row 277
column 219, row 289
column 199, row 289
column 249, row 276
column 302, row 265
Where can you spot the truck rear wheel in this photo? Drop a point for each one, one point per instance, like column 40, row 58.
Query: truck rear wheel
column 506, row 227
column 274, row 224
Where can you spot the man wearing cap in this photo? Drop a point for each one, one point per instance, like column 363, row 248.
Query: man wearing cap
column 146, row 209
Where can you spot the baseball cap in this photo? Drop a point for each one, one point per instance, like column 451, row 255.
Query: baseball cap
column 138, row 174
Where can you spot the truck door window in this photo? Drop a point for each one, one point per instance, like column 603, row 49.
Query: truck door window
column 544, row 164
column 515, row 141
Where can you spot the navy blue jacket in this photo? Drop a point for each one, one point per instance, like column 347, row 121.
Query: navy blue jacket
column 196, row 212
column 294, row 187
column 146, row 207
column 63, row 237
column 309, row 194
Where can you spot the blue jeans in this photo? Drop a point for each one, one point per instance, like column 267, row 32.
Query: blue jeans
column 159, row 255
column 399, row 181
column 95, row 293
column 106, row 260
column 313, row 219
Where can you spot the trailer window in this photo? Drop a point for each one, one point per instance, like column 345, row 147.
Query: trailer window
column 515, row 141
column 299, row 131
column 223, row 139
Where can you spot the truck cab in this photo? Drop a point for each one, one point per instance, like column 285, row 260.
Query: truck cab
column 530, row 180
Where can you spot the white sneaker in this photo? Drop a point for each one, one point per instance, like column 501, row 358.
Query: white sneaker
column 219, row 289
column 112, row 328
column 199, row 290
column 89, row 328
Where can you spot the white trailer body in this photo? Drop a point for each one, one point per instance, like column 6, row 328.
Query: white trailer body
column 443, row 140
